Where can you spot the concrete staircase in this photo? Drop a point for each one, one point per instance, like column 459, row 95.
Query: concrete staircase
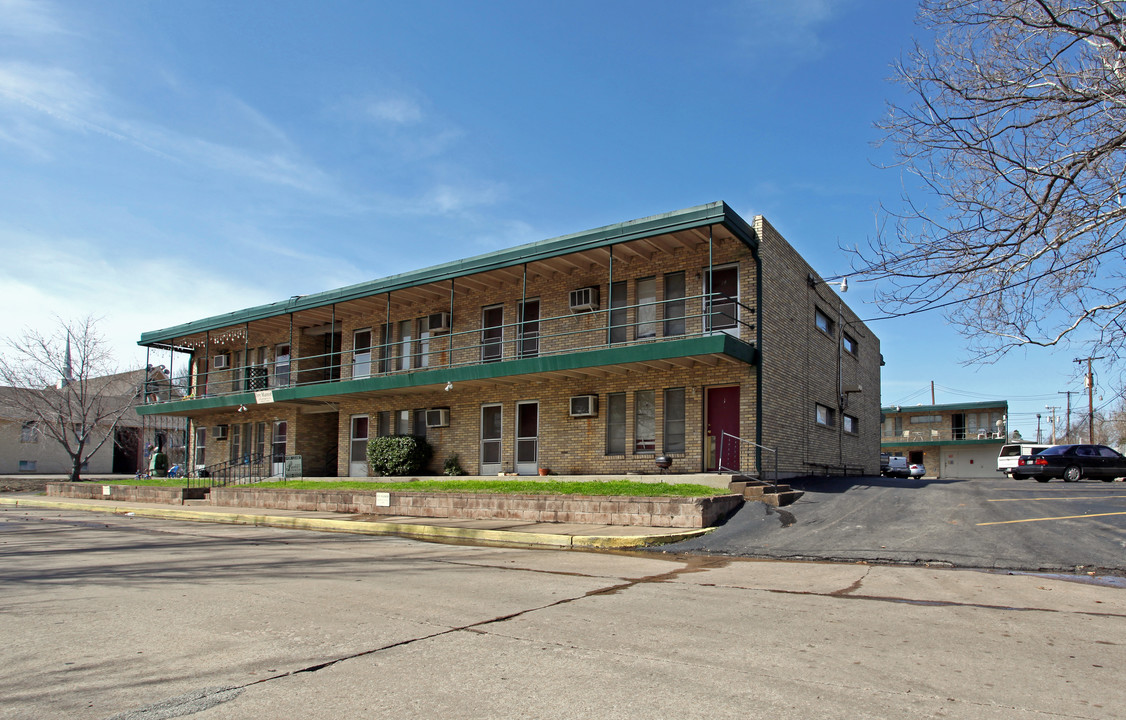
column 753, row 489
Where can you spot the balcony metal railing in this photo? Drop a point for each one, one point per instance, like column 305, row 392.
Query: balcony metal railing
column 944, row 435
column 530, row 338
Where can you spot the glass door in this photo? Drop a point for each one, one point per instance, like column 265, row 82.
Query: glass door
column 491, row 418
column 361, row 353
column 721, row 289
column 358, row 447
column 492, row 333
column 277, row 454
column 530, row 328
column 281, row 365
column 527, row 437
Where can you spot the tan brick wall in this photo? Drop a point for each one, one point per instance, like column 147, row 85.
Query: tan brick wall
column 799, row 365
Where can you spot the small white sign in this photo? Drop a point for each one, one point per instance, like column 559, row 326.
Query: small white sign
column 383, row 499
column 263, row 397
column 106, row 490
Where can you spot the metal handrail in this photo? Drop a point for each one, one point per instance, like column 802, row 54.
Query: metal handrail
column 719, row 460
column 250, row 377
column 244, row 470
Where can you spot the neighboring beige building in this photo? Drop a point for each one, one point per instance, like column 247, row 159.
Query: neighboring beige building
column 691, row 334
column 958, row 440
column 25, row 449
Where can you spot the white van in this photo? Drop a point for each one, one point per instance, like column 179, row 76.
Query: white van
column 895, row 466
column 1010, row 454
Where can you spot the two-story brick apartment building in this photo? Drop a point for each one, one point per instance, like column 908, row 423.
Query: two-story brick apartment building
column 691, row 334
column 955, row 440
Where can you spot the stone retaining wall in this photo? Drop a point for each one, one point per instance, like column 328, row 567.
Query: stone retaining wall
column 121, row 493
column 697, row 512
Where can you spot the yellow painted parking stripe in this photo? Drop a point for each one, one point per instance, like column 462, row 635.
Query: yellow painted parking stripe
column 1085, row 497
column 1062, row 517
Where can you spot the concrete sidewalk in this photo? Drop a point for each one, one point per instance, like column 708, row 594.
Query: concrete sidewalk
column 477, row 532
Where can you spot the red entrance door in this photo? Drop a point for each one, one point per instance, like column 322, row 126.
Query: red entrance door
column 722, row 417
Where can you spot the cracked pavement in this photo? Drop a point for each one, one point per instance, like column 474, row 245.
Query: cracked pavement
column 139, row 619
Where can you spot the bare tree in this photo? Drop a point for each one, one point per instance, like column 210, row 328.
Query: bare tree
column 58, row 381
column 1016, row 123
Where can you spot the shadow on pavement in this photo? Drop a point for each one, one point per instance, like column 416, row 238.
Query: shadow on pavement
column 844, row 483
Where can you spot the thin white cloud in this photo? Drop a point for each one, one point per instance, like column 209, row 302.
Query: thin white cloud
column 395, row 110
column 27, row 19
column 442, row 199
column 791, row 28
column 51, row 278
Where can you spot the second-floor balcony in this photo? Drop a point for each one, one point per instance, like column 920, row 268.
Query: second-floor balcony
column 944, row 435
column 430, row 353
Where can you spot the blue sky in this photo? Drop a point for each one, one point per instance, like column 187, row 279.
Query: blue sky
column 166, row 161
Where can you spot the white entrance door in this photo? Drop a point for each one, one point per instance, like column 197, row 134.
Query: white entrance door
column 281, row 365
column 277, row 454
column 527, row 437
column 361, row 353
column 358, row 444
column 491, row 419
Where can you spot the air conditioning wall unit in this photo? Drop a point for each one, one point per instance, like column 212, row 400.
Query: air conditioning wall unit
column 438, row 417
column 584, row 406
column 219, row 432
column 584, row 299
column 220, row 361
column 439, row 322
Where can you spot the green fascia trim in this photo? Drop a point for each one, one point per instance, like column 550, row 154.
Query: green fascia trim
column 716, row 213
column 915, row 409
column 711, row 345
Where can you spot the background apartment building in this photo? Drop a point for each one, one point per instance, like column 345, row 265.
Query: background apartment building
column 691, row 334
column 955, row 440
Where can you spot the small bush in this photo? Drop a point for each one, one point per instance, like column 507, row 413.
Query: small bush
column 397, row 455
column 453, row 466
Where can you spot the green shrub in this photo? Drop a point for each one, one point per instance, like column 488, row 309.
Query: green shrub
column 398, row 455
column 453, row 466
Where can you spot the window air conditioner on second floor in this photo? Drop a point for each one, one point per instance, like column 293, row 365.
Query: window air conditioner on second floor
column 584, row 406
column 220, row 361
column 439, row 322
column 219, row 432
column 438, row 417
column 584, row 299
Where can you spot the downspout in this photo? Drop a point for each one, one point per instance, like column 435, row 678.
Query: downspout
column 757, row 254
column 245, row 357
column 610, row 300
column 520, row 315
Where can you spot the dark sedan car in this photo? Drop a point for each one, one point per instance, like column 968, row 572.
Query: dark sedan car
column 1072, row 462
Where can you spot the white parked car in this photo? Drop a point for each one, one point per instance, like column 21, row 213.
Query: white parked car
column 1008, row 458
column 916, row 470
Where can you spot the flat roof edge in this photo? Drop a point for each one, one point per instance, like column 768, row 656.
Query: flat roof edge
column 714, row 213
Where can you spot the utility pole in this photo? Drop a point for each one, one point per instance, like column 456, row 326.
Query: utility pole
column 1069, row 393
column 1089, row 383
column 1038, row 436
column 1052, row 417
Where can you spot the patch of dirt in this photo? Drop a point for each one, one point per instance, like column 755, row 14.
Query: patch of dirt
column 24, row 484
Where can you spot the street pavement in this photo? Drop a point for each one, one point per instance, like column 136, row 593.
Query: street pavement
column 128, row 617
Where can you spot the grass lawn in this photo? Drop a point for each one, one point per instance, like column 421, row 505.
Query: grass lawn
column 508, row 487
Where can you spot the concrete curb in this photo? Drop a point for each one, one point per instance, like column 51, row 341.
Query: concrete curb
column 431, row 533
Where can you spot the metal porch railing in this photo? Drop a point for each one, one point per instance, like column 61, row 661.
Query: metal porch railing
column 240, row 471
column 730, row 447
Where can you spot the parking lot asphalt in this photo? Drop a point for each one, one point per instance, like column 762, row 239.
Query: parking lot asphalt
column 987, row 523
